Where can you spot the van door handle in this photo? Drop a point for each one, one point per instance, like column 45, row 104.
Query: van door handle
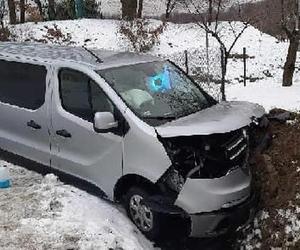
column 63, row 133
column 33, row 125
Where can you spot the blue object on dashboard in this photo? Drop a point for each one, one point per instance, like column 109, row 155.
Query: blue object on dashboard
column 160, row 82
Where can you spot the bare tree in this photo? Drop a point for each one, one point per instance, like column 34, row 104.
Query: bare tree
column 140, row 9
column 279, row 18
column 290, row 25
column 208, row 13
column 40, row 8
column 51, row 10
column 170, row 6
column 22, row 11
column 12, row 11
column 129, row 8
column 2, row 13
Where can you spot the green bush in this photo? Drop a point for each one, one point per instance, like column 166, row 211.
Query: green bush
column 91, row 9
column 67, row 10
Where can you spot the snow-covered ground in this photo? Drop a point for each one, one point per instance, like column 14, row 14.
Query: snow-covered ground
column 264, row 66
column 270, row 94
column 47, row 214
column 43, row 213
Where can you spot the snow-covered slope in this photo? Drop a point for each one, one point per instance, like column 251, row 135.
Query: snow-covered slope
column 42, row 213
column 264, row 66
column 175, row 39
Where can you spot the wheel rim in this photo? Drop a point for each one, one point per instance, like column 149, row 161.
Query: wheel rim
column 141, row 215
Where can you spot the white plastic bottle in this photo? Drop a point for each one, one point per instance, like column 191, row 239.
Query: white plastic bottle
column 4, row 177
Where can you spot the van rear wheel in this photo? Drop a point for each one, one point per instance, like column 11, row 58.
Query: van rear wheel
column 140, row 214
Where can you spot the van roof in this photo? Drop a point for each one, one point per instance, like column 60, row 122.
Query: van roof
column 52, row 54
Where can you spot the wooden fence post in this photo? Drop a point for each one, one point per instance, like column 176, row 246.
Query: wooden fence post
column 245, row 66
column 186, row 61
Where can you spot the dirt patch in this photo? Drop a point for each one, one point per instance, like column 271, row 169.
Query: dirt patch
column 277, row 174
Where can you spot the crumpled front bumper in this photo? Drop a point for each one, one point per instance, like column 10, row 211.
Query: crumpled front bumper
column 207, row 195
column 211, row 207
column 220, row 222
column 178, row 223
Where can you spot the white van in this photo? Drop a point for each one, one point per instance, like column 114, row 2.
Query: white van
column 137, row 127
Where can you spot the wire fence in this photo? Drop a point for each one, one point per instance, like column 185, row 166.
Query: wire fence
column 204, row 65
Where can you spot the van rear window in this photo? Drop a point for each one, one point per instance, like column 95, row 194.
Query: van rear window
column 22, row 84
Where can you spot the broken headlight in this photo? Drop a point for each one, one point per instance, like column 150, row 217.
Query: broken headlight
column 208, row 157
column 262, row 122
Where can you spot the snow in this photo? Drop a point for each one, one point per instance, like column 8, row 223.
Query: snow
column 264, row 66
column 43, row 213
column 268, row 94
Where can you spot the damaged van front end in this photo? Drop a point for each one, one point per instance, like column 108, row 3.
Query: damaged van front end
column 210, row 180
column 185, row 155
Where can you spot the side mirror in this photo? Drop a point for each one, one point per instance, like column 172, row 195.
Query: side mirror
column 104, row 122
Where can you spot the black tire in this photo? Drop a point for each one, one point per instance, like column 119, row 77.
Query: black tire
column 152, row 232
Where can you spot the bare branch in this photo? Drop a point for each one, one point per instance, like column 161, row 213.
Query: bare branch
column 246, row 25
column 232, row 29
column 217, row 15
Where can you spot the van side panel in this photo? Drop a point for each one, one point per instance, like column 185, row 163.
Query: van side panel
column 95, row 157
column 144, row 154
column 24, row 131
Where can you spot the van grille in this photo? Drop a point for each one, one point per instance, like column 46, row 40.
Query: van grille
column 228, row 151
column 237, row 146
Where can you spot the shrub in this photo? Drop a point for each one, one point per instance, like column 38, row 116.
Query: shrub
column 141, row 36
column 55, row 35
column 33, row 14
column 4, row 34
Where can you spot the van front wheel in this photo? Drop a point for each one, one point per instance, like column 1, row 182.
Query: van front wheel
column 140, row 214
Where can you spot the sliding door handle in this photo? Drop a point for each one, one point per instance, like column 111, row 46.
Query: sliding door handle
column 63, row 133
column 33, row 124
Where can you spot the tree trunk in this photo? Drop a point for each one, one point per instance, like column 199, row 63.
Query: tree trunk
column 289, row 66
column 129, row 9
column 12, row 11
column 210, row 11
column 224, row 61
column 169, row 8
column 22, row 11
column 51, row 9
column 40, row 8
column 2, row 10
column 140, row 9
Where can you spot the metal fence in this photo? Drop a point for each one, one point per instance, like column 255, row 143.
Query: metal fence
column 204, row 65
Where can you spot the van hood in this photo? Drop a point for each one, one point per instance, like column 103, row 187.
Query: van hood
column 221, row 118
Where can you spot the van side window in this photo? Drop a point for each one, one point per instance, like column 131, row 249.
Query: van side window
column 81, row 96
column 22, row 84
